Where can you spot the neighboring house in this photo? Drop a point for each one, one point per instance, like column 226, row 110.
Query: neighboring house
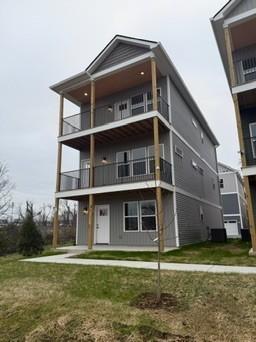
column 144, row 145
column 234, row 27
column 233, row 200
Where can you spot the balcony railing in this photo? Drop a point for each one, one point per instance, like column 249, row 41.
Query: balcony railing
column 250, row 150
column 112, row 112
column 132, row 171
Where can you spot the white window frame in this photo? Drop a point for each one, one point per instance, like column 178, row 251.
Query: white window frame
column 122, row 163
column 221, row 183
column 137, row 216
column 138, row 105
column 253, row 139
column 140, row 213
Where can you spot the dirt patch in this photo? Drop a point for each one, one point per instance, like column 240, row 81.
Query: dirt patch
column 148, row 300
column 146, row 333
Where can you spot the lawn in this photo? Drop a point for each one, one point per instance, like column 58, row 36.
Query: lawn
column 235, row 252
column 49, row 302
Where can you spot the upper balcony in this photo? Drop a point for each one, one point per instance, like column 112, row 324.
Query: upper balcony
column 114, row 111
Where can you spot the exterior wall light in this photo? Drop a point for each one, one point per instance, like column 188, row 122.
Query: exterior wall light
column 110, row 108
column 85, row 211
column 104, row 160
column 142, row 73
column 85, row 94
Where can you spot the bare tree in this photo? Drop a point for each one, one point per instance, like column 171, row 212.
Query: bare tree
column 5, row 189
column 68, row 213
column 45, row 214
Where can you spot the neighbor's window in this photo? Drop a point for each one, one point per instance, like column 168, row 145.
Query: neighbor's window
column 148, row 215
column 221, row 183
column 131, row 219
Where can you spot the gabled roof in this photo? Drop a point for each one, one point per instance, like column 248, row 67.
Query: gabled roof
column 226, row 9
column 145, row 44
column 225, row 168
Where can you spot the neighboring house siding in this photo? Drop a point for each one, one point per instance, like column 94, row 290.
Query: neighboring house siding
column 191, row 228
column 229, row 182
column 122, row 53
column 117, row 234
column 190, row 179
column 244, row 6
column 182, row 118
column 230, row 204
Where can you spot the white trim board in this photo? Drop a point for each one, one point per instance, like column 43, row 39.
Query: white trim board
column 249, row 171
column 244, row 87
column 232, row 215
column 114, row 188
column 185, row 193
column 239, row 18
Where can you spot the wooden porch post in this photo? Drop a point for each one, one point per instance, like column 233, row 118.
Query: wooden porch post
column 91, row 176
column 252, row 223
column 59, row 160
column 157, row 157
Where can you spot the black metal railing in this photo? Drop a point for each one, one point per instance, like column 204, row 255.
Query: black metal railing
column 110, row 113
column 250, row 150
column 132, row 171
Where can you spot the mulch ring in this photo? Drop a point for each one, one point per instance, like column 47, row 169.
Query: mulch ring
column 148, row 300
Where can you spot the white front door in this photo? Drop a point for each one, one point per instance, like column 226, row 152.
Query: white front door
column 231, row 228
column 102, row 218
column 84, row 173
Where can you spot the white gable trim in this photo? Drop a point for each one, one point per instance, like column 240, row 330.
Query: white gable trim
column 227, row 9
column 240, row 18
column 109, row 48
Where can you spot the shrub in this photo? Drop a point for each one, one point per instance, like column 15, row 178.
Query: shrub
column 30, row 241
column 3, row 243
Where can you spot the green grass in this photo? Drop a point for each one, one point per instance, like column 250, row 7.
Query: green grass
column 235, row 252
column 49, row 302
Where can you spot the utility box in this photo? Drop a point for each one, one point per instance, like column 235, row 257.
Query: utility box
column 218, row 235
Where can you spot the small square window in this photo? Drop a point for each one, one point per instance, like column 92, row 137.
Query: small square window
column 221, row 183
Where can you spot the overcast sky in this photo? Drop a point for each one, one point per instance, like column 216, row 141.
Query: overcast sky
column 46, row 41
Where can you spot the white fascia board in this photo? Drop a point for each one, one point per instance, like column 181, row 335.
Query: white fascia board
column 114, row 188
column 226, row 10
column 249, row 171
column 244, row 87
column 238, row 19
column 123, row 65
column 114, row 124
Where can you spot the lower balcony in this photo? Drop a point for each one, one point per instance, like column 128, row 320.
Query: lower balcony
column 250, row 151
column 132, row 171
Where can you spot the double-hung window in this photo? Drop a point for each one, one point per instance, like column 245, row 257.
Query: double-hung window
column 137, row 104
column 131, row 216
column 140, row 216
column 148, row 215
column 252, row 128
column 139, row 164
column 123, row 164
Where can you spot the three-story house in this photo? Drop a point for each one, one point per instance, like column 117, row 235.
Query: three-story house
column 147, row 155
column 234, row 27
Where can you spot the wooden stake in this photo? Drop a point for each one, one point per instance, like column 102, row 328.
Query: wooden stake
column 59, row 161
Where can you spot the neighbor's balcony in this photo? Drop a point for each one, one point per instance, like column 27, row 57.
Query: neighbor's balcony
column 139, row 170
column 250, row 151
column 111, row 113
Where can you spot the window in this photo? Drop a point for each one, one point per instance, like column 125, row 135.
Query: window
column 252, row 128
column 140, row 216
column 179, row 151
column 194, row 123
column 139, row 165
column 221, row 183
column 123, row 164
column 138, row 104
column 131, row 220
column 148, row 215
column 149, row 99
column 151, row 156
column 249, row 68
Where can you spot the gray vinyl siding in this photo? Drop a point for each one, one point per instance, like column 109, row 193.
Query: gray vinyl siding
column 182, row 121
column 191, row 228
column 121, row 53
column 230, row 204
column 229, row 182
column 117, row 234
column 244, row 6
column 189, row 179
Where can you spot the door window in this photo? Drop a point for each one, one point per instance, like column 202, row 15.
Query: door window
column 139, row 165
column 137, row 104
column 123, row 164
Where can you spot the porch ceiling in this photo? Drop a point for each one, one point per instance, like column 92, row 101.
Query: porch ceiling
column 247, row 99
column 244, row 34
column 114, row 83
column 115, row 135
